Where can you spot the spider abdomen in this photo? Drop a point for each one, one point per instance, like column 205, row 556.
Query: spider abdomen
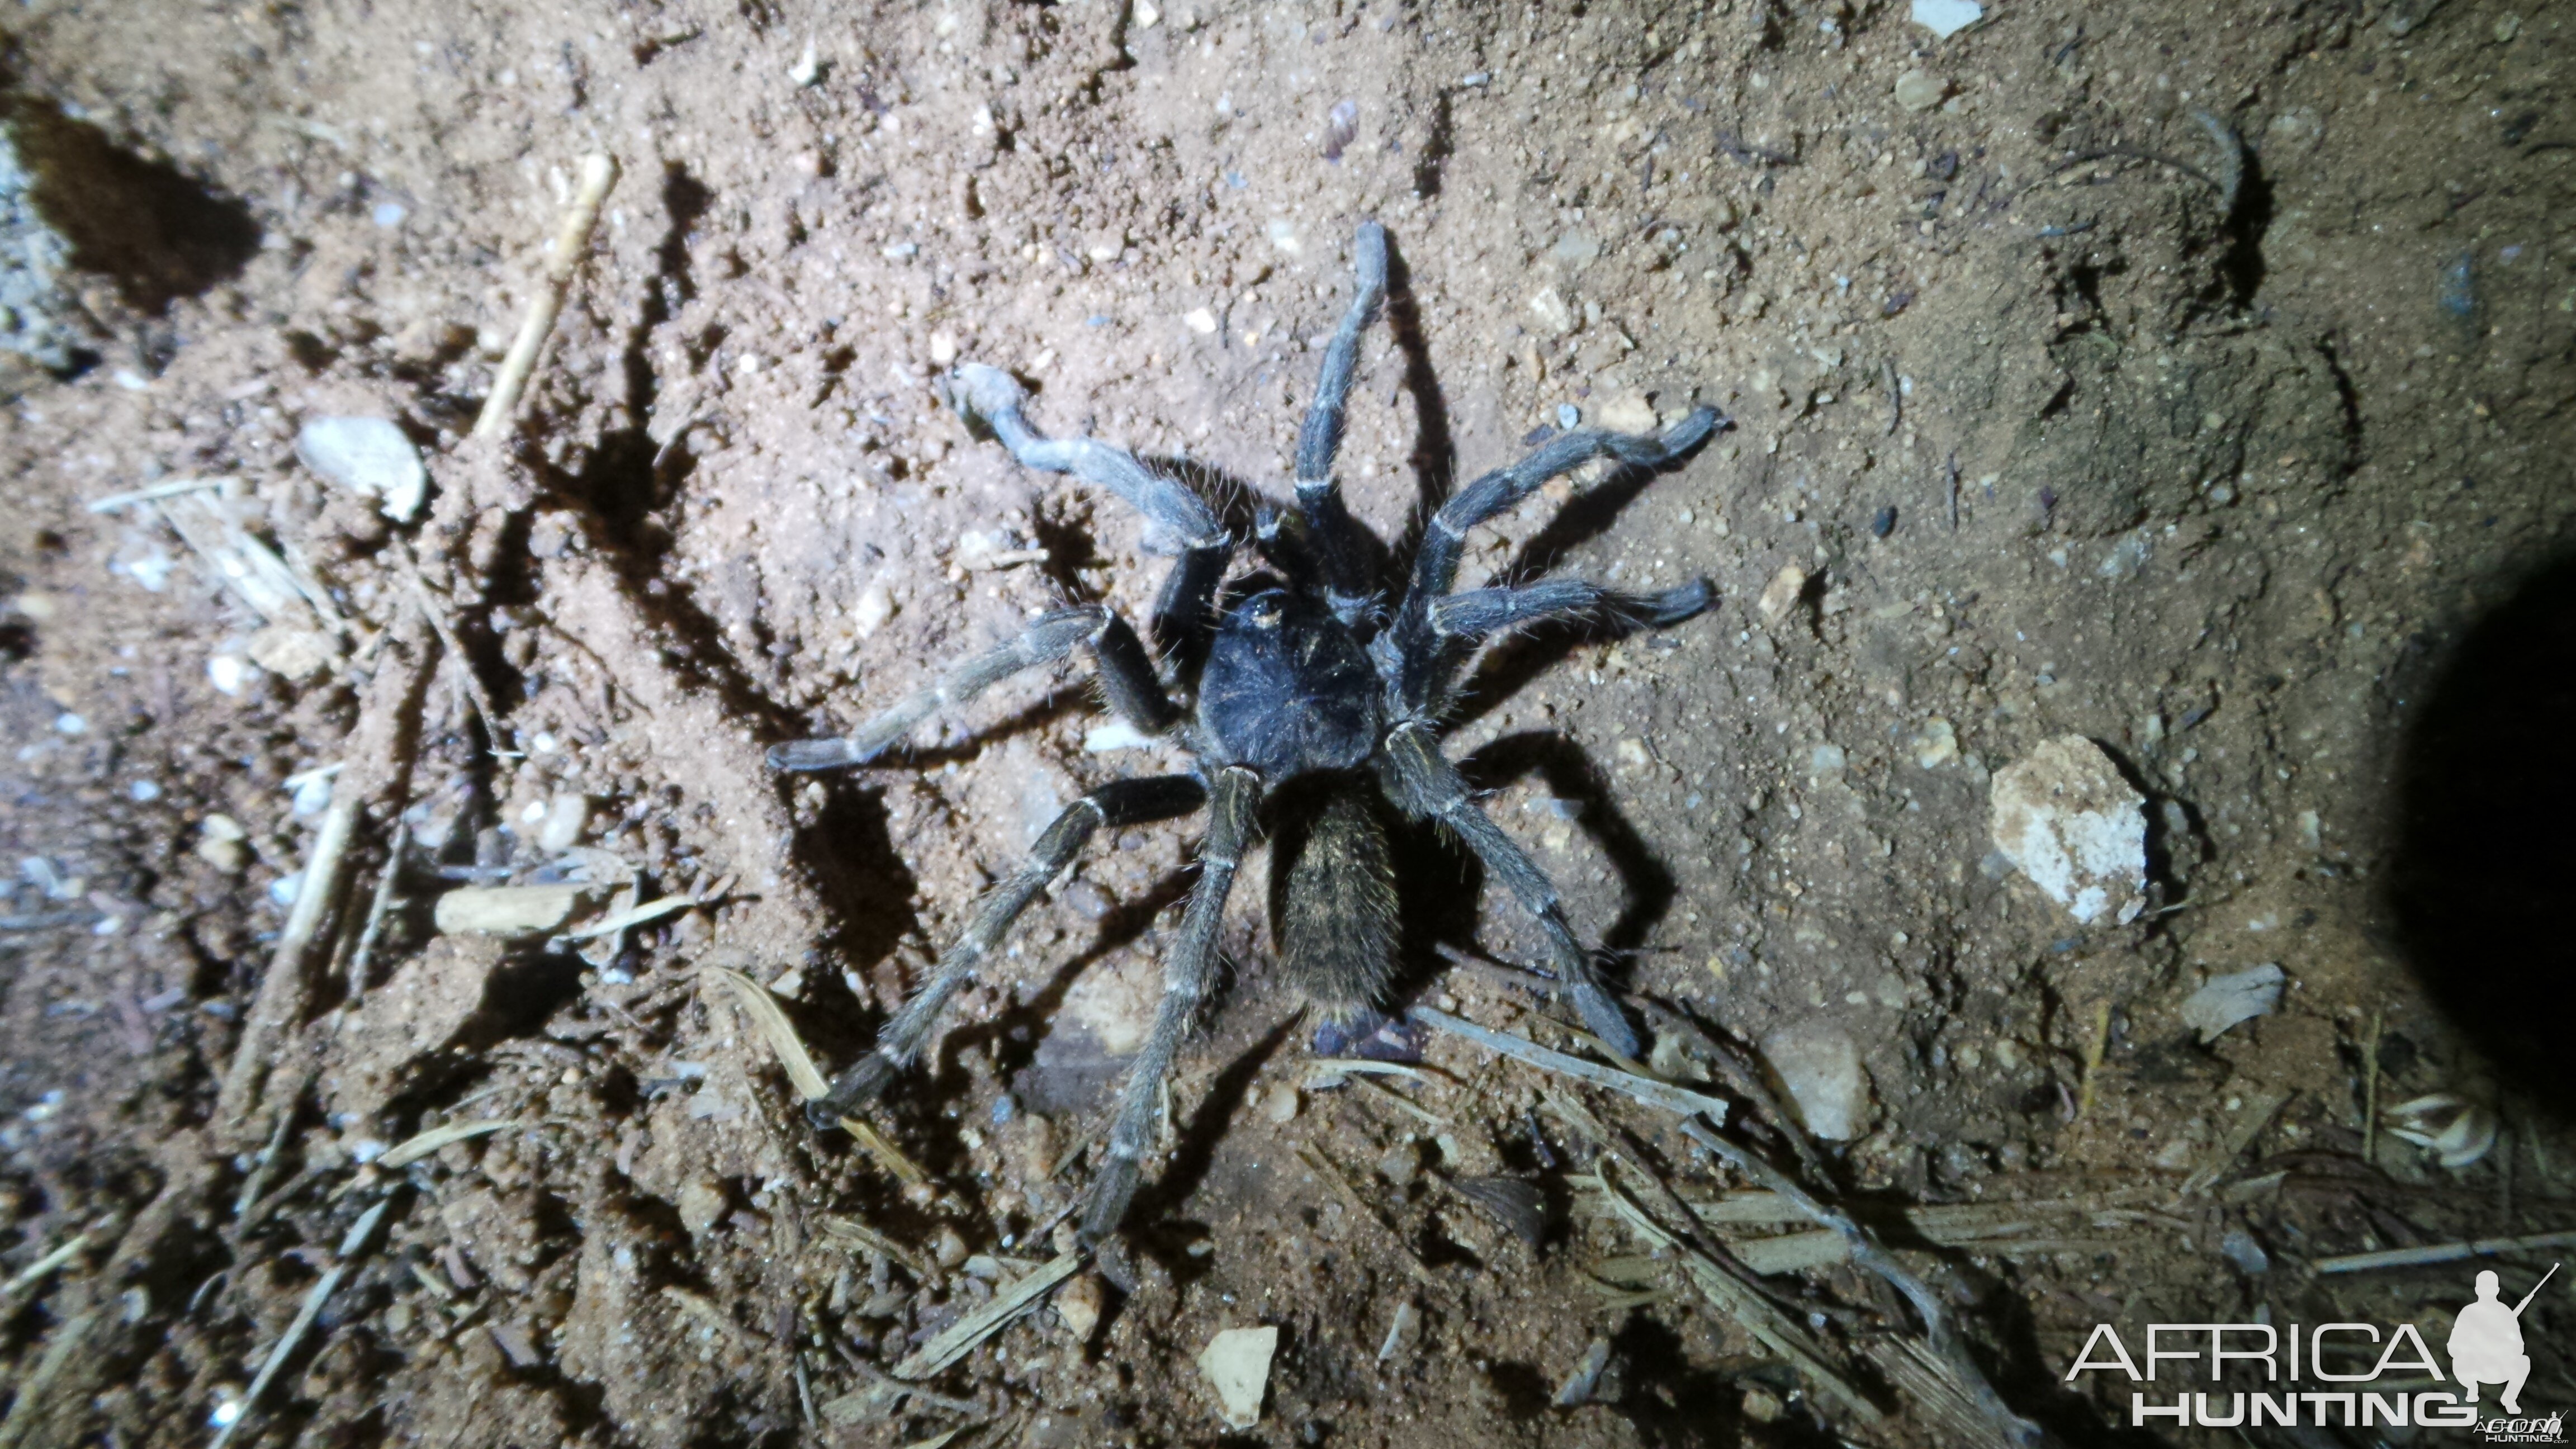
column 1288, row 690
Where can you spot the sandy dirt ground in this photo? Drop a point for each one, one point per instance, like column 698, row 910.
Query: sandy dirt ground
column 2189, row 378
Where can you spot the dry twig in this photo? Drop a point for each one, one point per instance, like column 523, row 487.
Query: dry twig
column 598, row 174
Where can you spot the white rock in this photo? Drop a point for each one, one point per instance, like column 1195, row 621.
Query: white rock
column 1918, row 91
column 1781, row 592
column 228, row 673
column 1936, row 744
column 874, row 607
column 1818, row 1064
column 369, row 455
column 1945, row 18
column 565, row 817
column 1630, row 413
column 1200, row 320
column 2065, row 818
column 2234, row 997
column 1237, row 1366
column 1552, row 313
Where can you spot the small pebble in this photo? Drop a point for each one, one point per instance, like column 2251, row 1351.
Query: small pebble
column 1237, row 1365
column 1078, row 1304
column 1884, row 523
column 1819, row 1065
column 70, row 724
column 388, row 214
column 702, row 1204
column 565, row 817
column 1945, row 18
column 1916, row 91
column 1568, row 416
column 948, row 1248
column 2238, row 996
column 873, row 608
column 1281, row 1104
column 1200, row 320
column 1782, row 592
column 370, row 456
column 2067, row 818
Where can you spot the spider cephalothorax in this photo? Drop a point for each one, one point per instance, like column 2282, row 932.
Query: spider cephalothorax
column 1301, row 686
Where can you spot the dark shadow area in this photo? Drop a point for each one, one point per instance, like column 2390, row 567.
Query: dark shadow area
column 1570, row 776
column 2241, row 265
column 159, row 232
column 1671, row 1400
column 1435, row 451
column 2479, row 879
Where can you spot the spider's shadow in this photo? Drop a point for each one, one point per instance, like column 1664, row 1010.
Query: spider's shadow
column 1569, row 774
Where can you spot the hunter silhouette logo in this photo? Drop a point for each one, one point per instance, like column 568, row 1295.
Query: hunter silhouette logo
column 2486, row 1342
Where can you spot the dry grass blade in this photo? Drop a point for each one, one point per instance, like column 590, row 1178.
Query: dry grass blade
column 72, row 1247
column 1867, row 1252
column 772, row 1024
column 1363, row 1067
column 1769, row 1326
column 2444, row 1252
column 598, row 174
column 888, row 1156
column 351, row 1246
column 959, row 1338
column 157, row 492
column 1679, row 1100
column 413, row 1149
column 633, row 916
column 851, row 1232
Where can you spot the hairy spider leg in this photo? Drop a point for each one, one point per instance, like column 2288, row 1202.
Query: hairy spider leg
column 1177, row 521
column 1464, row 619
column 1189, row 974
column 1334, row 535
column 1125, row 672
column 1428, row 787
column 1435, row 568
column 1120, row 802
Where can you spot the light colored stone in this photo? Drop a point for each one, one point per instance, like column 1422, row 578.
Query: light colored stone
column 561, row 829
column 1818, row 1065
column 702, row 1204
column 1552, row 313
column 297, row 654
column 369, row 456
column 1781, row 593
column 1936, row 744
column 2066, row 818
column 510, row 912
column 2237, row 996
column 1200, row 320
column 1917, row 91
column 1237, row 1365
column 1630, row 413
column 1079, row 1303
column 1945, row 18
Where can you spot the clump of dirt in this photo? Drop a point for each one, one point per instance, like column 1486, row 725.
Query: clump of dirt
column 2192, row 383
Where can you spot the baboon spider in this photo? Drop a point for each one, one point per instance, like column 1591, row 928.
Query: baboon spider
column 1294, row 676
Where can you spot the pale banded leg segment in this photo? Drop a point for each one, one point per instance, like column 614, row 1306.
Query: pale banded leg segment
column 1126, row 677
column 1121, row 802
column 1177, row 519
column 1428, row 787
column 1189, row 974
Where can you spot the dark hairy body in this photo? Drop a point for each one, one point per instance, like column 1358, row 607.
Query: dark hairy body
column 1302, row 686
